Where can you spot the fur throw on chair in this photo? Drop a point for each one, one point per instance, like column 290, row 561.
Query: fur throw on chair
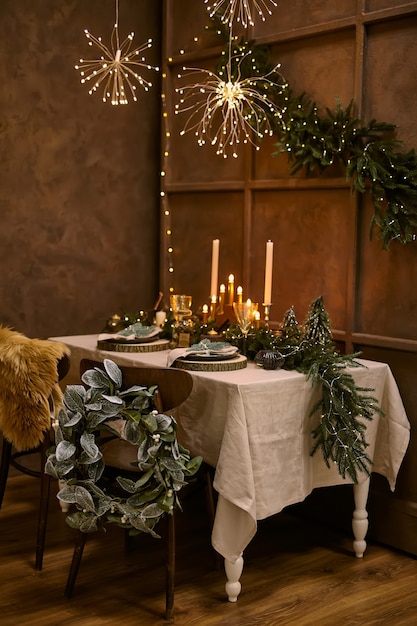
column 28, row 378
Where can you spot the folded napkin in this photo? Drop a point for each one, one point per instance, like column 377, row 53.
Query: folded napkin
column 204, row 348
column 132, row 332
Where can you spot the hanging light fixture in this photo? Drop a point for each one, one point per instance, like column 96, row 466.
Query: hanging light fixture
column 116, row 69
column 241, row 10
column 229, row 110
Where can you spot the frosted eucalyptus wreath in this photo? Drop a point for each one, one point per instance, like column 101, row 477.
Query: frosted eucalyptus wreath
column 77, row 461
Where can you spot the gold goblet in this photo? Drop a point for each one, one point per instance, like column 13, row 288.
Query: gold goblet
column 245, row 313
column 181, row 306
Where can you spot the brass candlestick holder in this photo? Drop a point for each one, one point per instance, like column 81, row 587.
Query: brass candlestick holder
column 267, row 311
column 220, row 308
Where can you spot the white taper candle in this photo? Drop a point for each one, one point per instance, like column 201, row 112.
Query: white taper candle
column 214, row 268
column 268, row 272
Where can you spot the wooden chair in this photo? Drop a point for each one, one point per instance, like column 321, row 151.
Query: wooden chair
column 18, row 364
column 174, row 387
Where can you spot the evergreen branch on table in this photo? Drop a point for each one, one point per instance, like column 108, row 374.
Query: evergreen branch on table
column 344, row 408
column 340, row 433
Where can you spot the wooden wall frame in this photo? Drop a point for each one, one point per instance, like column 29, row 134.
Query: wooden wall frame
column 360, row 49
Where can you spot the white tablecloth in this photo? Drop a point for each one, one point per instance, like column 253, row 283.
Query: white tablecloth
column 253, row 426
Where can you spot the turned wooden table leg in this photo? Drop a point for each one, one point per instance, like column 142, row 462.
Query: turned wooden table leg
column 233, row 573
column 360, row 517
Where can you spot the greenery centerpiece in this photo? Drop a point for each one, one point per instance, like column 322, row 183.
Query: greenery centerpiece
column 103, row 406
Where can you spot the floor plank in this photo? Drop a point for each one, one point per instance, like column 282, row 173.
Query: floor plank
column 297, row 573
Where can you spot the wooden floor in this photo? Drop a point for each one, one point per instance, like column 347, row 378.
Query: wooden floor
column 297, row 573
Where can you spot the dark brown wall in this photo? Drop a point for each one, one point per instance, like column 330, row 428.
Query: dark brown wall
column 350, row 49
column 78, row 178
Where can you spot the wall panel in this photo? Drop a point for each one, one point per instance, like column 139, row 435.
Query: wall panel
column 190, row 19
column 300, row 14
column 269, row 164
column 379, row 5
column 386, row 299
column 197, row 219
column 312, row 64
column 390, row 84
column 309, row 259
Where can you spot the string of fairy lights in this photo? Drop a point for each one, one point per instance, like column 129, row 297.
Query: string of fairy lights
column 223, row 109
column 167, row 227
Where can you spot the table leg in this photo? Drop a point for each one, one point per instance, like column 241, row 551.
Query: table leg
column 233, row 573
column 360, row 517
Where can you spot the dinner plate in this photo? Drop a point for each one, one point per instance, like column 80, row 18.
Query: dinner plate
column 133, row 341
column 208, row 357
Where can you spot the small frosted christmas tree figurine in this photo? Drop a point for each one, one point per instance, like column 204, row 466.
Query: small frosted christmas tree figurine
column 290, row 328
column 316, row 328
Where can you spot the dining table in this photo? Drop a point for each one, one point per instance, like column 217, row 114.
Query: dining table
column 254, row 426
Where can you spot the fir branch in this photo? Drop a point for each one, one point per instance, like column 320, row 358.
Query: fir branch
column 373, row 160
column 343, row 407
column 340, row 433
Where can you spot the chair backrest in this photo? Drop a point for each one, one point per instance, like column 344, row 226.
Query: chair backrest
column 174, row 385
column 63, row 366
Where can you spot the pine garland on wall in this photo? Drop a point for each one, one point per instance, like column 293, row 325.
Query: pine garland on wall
column 373, row 158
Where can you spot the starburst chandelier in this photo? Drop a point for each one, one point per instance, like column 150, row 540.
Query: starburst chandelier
column 116, row 69
column 228, row 110
column 241, row 10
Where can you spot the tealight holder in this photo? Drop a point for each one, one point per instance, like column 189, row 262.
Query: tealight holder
column 114, row 324
column 269, row 359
